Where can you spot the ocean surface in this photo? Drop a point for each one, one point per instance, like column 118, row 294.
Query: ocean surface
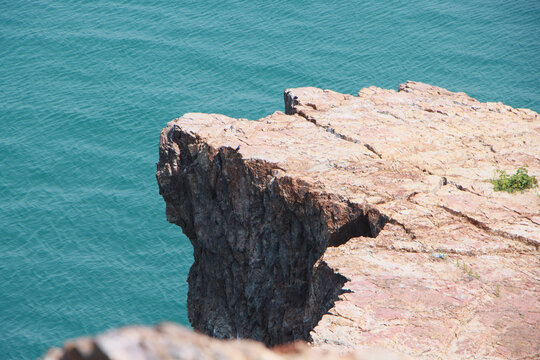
column 86, row 86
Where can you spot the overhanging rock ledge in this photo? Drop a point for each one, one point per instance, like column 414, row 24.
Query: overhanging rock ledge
column 360, row 221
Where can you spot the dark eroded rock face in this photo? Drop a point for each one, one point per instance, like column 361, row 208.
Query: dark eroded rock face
column 257, row 240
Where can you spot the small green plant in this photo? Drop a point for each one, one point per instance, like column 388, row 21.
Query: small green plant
column 467, row 269
column 498, row 290
column 520, row 181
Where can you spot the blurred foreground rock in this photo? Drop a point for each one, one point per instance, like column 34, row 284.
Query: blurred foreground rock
column 170, row 341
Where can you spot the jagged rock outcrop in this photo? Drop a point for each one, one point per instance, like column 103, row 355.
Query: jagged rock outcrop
column 362, row 220
column 170, row 341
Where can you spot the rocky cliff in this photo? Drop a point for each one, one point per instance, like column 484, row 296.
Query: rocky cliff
column 355, row 221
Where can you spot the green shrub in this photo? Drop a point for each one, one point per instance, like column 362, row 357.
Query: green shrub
column 518, row 182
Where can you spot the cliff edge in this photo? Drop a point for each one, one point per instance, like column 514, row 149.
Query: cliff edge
column 360, row 221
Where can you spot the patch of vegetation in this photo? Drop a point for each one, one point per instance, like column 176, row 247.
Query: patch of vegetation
column 520, row 181
column 467, row 269
column 498, row 291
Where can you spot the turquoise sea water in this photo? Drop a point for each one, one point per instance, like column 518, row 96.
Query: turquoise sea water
column 85, row 88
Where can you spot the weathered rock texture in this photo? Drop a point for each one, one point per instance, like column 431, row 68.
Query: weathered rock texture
column 169, row 341
column 330, row 221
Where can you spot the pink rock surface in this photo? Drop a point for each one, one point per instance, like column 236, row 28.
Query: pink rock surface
column 447, row 268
